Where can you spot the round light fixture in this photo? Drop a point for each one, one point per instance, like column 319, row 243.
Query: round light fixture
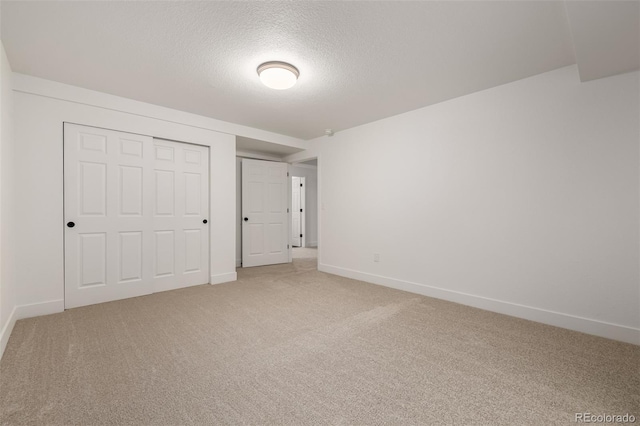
column 278, row 75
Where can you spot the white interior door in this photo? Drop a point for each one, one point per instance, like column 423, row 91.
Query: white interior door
column 296, row 235
column 134, row 209
column 108, row 245
column 265, row 221
column 180, row 215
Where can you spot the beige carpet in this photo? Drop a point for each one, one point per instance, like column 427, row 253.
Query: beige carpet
column 289, row 345
column 305, row 253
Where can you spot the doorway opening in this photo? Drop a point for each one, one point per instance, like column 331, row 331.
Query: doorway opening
column 304, row 208
column 305, row 246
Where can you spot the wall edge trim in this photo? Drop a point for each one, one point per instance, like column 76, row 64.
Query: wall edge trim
column 223, row 278
column 6, row 330
column 39, row 309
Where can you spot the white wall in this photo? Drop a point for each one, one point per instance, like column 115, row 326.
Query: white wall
column 7, row 226
column 311, row 210
column 39, row 181
column 521, row 199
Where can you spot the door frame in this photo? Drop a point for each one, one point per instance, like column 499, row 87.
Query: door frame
column 240, row 155
column 296, row 160
column 303, row 206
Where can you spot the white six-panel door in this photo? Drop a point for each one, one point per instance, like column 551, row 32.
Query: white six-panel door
column 108, row 252
column 180, row 234
column 265, row 220
column 119, row 238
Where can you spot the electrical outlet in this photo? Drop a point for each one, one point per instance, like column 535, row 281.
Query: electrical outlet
column 376, row 257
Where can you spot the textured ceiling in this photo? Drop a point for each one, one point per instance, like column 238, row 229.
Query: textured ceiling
column 359, row 61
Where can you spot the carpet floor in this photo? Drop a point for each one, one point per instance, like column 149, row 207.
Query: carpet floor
column 287, row 344
column 305, row 253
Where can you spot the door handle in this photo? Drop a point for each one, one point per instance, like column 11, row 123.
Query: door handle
column 71, row 224
column 204, row 221
column 246, row 219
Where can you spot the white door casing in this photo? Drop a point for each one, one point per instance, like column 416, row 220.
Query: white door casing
column 298, row 211
column 303, row 211
column 265, row 220
column 296, row 236
column 118, row 246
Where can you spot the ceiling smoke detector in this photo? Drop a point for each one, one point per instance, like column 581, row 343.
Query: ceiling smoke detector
column 328, row 132
column 278, row 75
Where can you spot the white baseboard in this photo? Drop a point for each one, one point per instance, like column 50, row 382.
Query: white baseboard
column 571, row 322
column 223, row 278
column 27, row 311
column 6, row 331
column 39, row 309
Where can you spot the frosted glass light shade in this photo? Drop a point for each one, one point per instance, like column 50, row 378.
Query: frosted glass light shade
column 278, row 75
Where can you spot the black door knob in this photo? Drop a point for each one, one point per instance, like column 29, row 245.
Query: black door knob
column 204, row 221
column 246, row 219
column 71, row 224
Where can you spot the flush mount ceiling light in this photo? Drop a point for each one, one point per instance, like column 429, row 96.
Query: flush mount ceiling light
column 278, row 75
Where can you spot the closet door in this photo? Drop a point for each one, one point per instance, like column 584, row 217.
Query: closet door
column 108, row 180
column 136, row 215
column 180, row 215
